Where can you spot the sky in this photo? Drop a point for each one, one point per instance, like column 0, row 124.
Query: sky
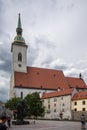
column 55, row 32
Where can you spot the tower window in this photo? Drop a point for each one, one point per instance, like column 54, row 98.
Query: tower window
column 19, row 57
column 19, row 65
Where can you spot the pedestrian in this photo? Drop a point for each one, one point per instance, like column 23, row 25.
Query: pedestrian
column 83, row 121
column 9, row 121
column 3, row 119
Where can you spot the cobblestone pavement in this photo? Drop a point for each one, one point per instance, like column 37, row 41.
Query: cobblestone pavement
column 48, row 125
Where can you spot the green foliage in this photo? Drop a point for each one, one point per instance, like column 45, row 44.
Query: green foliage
column 27, row 108
column 12, row 103
column 34, row 105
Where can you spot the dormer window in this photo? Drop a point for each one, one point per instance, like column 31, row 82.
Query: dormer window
column 38, row 73
column 19, row 57
column 54, row 75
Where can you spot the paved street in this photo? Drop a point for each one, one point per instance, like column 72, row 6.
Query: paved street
column 49, row 125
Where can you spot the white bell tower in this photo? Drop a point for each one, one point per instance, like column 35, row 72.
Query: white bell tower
column 19, row 51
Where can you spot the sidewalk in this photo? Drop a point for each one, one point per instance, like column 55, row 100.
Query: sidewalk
column 48, row 125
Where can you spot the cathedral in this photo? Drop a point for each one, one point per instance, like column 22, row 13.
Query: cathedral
column 27, row 79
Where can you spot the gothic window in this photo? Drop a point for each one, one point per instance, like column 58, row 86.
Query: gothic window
column 21, row 95
column 19, row 57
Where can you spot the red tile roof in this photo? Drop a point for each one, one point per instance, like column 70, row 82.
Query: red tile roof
column 41, row 78
column 57, row 93
column 75, row 82
column 46, row 79
column 80, row 95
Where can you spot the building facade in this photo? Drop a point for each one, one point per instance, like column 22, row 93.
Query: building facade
column 79, row 105
column 58, row 104
column 26, row 79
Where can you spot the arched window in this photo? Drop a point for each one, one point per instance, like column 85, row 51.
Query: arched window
column 19, row 57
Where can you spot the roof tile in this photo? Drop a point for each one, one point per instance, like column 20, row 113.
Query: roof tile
column 41, row 78
column 57, row 93
column 80, row 95
column 46, row 79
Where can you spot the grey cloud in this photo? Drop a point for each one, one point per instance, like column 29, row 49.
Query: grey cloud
column 3, row 97
column 5, row 58
column 61, row 67
column 1, row 7
column 42, row 40
column 4, row 92
column 32, row 55
column 41, row 45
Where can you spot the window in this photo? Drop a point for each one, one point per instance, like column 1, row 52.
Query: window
column 19, row 65
column 21, row 95
column 48, row 100
column 54, row 110
column 19, row 57
column 75, row 109
column 63, row 110
column 75, row 103
column 54, row 105
column 61, row 98
column 48, row 111
column 63, row 104
column 83, row 109
column 49, row 106
column 83, row 102
column 55, row 99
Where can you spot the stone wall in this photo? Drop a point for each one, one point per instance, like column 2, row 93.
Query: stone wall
column 77, row 114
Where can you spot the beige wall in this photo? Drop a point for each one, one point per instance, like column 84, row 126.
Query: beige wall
column 80, row 106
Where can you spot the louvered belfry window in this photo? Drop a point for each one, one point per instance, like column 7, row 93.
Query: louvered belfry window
column 19, row 57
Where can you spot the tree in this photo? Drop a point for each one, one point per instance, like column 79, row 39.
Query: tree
column 34, row 105
column 27, row 108
column 12, row 103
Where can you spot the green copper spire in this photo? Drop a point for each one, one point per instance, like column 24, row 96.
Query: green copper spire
column 19, row 21
column 19, row 39
column 19, row 28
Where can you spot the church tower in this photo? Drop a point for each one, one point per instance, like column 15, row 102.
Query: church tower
column 19, row 50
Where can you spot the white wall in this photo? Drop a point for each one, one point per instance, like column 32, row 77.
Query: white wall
column 62, row 103
column 15, row 63
column 27, row 91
